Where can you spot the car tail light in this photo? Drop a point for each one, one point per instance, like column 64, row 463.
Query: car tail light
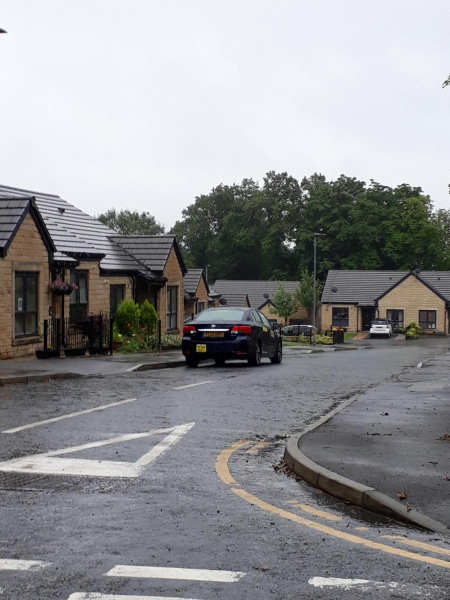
column 244, row 329
column 188, row 329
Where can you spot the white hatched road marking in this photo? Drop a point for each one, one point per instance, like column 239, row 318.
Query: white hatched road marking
column 68, row 416
column 134, row 367
column 10, row 564
column 95, row 596
column 49, row 463
column 366, row 585
column 174, row 573
column 183, row 387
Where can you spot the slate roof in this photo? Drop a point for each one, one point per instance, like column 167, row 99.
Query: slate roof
column 365, row 287
column 236, row 291
column 192, row 279
column 151, row 250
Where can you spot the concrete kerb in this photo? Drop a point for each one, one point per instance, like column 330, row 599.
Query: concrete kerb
column 348, row 490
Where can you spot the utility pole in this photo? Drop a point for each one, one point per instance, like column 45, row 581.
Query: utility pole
column 314, row 286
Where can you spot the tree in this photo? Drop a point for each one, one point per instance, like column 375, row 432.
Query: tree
column 305, row 292
column 285, row 303
column 128, row 222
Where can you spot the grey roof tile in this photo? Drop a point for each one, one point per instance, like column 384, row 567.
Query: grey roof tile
column 192, row 279
column 236, row 291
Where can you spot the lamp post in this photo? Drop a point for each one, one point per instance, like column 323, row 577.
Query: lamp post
column 314, row 286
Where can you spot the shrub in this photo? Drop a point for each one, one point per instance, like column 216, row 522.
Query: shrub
column 324, row 339
column 127, row 317
column 148, row 317
column 413, row 331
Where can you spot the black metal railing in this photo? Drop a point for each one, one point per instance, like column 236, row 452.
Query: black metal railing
column 93, row 334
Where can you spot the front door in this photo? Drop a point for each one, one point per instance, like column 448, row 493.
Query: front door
column 367, row 316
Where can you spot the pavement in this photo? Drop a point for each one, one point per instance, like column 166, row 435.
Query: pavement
column 29, row 370
column 169, row 484
column 395, row 439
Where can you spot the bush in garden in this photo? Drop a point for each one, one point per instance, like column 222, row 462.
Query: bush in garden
column 413, row 331
column 148, row 317
column 127, row 317
column 324, row 339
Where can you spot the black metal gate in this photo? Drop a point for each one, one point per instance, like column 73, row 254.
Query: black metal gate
column 75, row 337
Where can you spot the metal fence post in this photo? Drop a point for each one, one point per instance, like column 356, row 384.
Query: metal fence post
column 111, row 335
column 159, row 335
column 45, row 337
column 91, row 334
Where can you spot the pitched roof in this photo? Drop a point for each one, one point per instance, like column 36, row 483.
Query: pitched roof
column 236, row 291
column 151, row 250
column 192, row 280
column 365, row 287
column 12, row 213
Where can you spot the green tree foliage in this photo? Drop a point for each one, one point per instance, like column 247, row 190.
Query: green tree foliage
column 285, row 303
column 127, row 317
column 128, row 222
column 148, row 317
column 305, row 292
column 253, row 231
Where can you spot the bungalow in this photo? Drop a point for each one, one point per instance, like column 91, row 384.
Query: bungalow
column 43, row 238
column 258, row 294
column 196, row 293
column 352, row 299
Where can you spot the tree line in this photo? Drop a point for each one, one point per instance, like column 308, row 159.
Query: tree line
column 265, row 231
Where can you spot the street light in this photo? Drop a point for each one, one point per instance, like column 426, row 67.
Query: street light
column 314, row 287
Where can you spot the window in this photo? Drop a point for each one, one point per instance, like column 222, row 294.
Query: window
column 200, row 307
column 116, row 295
column 172, row 307
column 427, row 319
column 396, row 317
column 264, row 320
column 78, row 299
column 340, row 316
column 256, row 316
column 25, row 304
column 221, row 315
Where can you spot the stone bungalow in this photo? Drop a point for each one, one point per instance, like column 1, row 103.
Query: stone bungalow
column 43, row 238
column 258, row 294
column 352, row 299
column 196, row 293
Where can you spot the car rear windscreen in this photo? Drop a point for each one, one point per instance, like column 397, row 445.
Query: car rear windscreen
column 379, row 322
column 220, row 315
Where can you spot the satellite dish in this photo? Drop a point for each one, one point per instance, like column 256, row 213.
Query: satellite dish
column 334, row 290
column 266, row 296
column 223, row 301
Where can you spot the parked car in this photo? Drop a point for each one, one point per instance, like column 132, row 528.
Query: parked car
column 231, row 333
column 380, row 327
column 297, row 330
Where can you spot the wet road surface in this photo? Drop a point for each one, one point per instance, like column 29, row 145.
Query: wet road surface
column 174, row 506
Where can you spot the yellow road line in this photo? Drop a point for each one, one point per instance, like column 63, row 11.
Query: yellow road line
column 225, row 475
column 420, row 545
column 319, row 513
column 257, row 447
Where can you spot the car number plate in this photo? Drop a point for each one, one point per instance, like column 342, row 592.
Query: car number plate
column 214, row 334
column 201, row 348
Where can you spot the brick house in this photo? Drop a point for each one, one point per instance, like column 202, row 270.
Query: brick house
column 352, row 299
column 43, row 238
column 259, row 294
column 196, row 293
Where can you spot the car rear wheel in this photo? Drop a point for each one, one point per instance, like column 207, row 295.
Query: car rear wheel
column 254, row 357
column 278, row 356
column 192, row 362
column 220, row 361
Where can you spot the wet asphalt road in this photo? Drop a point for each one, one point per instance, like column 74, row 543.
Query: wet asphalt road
column 175, row 509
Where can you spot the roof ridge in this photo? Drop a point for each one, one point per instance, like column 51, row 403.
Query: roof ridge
column 17, row 189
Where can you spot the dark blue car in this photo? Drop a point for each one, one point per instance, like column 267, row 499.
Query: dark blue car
column 231, row 333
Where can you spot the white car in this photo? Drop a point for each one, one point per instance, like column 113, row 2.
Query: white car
column 380, row 327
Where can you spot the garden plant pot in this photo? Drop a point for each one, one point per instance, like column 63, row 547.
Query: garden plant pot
column 75, row 351
column 117, row 345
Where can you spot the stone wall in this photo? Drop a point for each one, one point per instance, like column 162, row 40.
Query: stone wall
column 174, row 276
column 327, row 312
column 27, row 252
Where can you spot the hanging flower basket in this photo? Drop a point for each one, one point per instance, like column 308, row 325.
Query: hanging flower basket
column 62, row 288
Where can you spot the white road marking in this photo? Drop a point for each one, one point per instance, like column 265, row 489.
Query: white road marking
column 419, row 365
column 49, row 463
column 183, row 387
column 68, row 416
column 366, row 585
column 10, row 564
column 95, row 596
column 134, row 368
column 174, row 573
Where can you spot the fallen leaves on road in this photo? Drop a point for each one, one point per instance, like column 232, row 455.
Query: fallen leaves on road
column 401, row 495
column 408, row 508
column 384, row 414
column 445, row 437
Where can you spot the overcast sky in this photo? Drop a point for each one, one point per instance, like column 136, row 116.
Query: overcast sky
column 144, row 105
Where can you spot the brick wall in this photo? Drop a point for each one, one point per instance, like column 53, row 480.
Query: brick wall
column 411, row 296
column 27, row 252
column 327, row 318
column 174, row 278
